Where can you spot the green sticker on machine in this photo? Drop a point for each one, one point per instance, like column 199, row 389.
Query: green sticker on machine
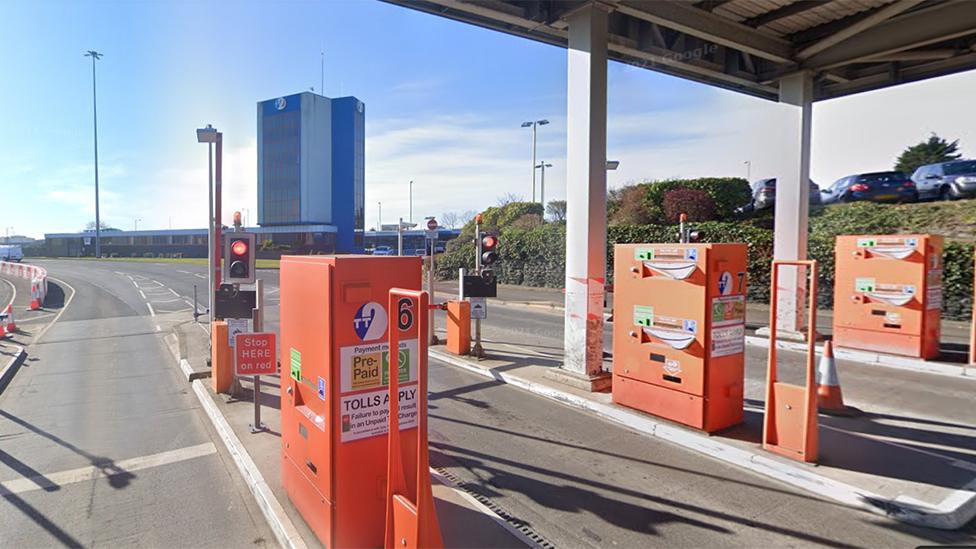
column 403, row 367
column 644, row 253
column 296, row 364
column 863, row 285
column 866, row 242
column 643, row 315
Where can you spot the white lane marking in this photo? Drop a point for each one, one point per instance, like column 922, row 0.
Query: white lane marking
column 184, row 272
column 142, row 294
column 134, row 283
column 57, row 316
column 158, row 282
column 174, row 292
column 120, row 273
column 13, row 296
column 274, row 291
column 62, row 478
column 158, row 329
column 165, row 300
column 198, row 275
column 151, row 311
column 35, row 318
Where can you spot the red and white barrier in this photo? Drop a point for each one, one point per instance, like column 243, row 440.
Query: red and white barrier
column 36, row 275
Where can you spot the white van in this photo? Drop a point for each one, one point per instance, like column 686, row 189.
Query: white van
column 11, row 252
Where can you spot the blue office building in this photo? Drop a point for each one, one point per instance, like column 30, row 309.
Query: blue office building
column 311, row 168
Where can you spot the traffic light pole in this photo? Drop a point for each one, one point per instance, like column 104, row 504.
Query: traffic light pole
column 430, row 292
column 478, row 350
column 257, row 321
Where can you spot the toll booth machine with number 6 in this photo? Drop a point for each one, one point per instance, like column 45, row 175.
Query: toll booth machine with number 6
column 679, row 331
column 888, row 293
column 334, row 402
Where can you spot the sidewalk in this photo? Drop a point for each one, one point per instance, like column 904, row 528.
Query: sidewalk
column 895, row 460
column 464, row 521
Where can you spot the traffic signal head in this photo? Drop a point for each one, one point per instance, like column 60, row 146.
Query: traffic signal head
column 239, row 258
column 489, row 249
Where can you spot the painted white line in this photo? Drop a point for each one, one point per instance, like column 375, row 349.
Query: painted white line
column 165, row 300
column 273, row 291
column 173, row 292
column 62, row 478
column 198, row 275
column 158, row 282
column 151, row 311
column 282, row 527
column 130, row 276
column 57, row 317
column 35, row 318
column 158, row 329
column 951, row 514
column 142, row 294
column 13, row 295
column 119, row 273
column 184, row 272
column 134, row 283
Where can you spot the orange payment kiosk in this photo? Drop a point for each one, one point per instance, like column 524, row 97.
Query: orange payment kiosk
column 679, row 331
column 888, row 293
column 334, row 390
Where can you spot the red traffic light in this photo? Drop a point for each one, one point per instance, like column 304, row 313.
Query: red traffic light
column 239, row 247
column 488, row 243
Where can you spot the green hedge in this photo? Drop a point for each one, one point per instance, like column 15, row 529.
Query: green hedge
column 728, row 193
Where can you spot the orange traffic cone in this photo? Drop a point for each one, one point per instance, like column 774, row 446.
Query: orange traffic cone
column 3, row 334
column 35, row 303
column 11, row 325
column 829, row 398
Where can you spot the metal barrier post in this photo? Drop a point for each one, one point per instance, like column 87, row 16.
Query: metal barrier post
column 790, row 419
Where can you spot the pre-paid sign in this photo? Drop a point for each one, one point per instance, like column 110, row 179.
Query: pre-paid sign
column 254, row 354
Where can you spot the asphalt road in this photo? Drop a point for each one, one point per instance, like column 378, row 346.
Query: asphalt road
column 574, row 479
column 102, row 442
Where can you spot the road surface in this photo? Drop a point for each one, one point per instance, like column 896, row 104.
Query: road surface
column 573, row 479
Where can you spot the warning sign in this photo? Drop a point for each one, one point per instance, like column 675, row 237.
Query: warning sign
column 933, row 298
column 365, row 415
column 727, row 341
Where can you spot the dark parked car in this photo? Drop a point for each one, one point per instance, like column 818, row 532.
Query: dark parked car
column 945, row 180
column 875, row 187
column 764, row 195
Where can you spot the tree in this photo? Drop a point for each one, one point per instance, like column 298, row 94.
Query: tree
column 449, row 219
column 556, row 210
column 508, row 198
column 631, row 209
column 101, row 225
column 935, row 149
column 466, row 216
column 528, row 221
column 695, row 203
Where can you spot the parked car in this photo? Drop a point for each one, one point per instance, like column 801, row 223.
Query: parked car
column 764, row 195
column 875, row 187
column 945, row 180
column 11, row 252
column 383, row 250
column 422, row 252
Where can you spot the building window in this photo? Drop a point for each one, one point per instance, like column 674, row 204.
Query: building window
column 281, row 163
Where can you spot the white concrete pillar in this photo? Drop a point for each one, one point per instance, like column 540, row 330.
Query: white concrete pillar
column 586, row 196
column 793, row 198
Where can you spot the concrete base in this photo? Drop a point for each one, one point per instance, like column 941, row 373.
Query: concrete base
column 785, row 335
column 595, row 384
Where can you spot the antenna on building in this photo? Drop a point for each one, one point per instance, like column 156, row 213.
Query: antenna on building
column 322, row 73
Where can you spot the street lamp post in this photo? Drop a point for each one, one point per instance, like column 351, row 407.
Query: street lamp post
column 533, row 125
column 542, row 186
column 210, row 136
column 135, row 224
column 748, row 164
column 379, row 217
column 98, row 221
column 410, row 218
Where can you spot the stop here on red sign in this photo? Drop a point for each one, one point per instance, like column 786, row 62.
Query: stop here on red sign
column 254, row 354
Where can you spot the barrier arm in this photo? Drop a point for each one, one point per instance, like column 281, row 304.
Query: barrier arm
column 786, row 432
column 409, row 524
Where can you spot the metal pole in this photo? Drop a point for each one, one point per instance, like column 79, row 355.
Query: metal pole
column 400, row 237
column 542, row 190
column 210, row 234
column 478, row 350
column 411, row 201
column 217, row 229
column 430, row 292
column 257, row 320
column 533, row 161
column 379, row 215
column 98, row 218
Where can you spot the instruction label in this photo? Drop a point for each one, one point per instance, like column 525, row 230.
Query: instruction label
column 368, row 366
column 933, row 298
column 728, row 310
column 863, row 285
column 730, row 340
column 365, row 415
column 296, row 364
column 643, row 315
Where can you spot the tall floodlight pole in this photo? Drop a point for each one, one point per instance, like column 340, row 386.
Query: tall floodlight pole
column 209, row 135
column 98, row 219
column 533, row 124
column 748, row 164
column 379, row 216
column 542, row 186
column 410, row 218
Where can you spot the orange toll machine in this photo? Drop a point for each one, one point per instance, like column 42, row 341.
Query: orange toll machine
column 679, row 331
column 334, row 400
column 888, row 293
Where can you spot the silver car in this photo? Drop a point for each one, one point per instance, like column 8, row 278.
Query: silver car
column 946, row 180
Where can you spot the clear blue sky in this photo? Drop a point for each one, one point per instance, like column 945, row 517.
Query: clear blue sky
column 443, row 105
